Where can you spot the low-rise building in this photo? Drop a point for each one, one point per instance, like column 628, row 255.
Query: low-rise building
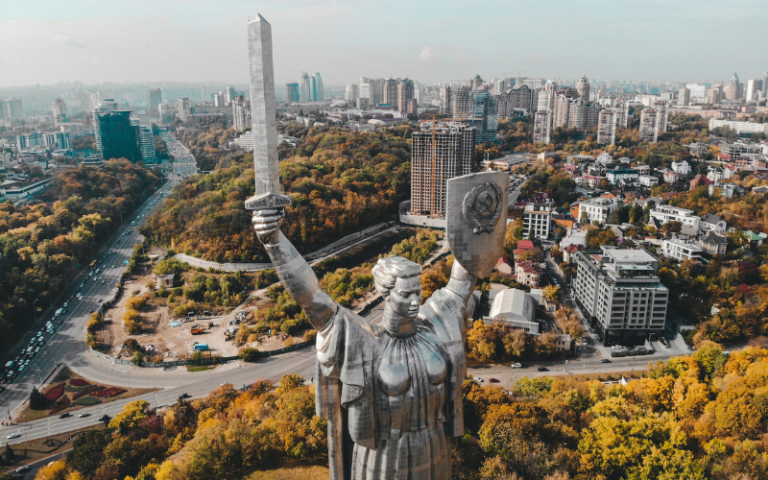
column 621, row 295
column 17, row 190
column 666, row 214
column 699, row 181
column 648, row 181
column 528, row 273
column 621, row 175
column 505, row 267
column 670, row 177
column 596, row 210
column 713, row 243
column 712, row 223
column 516, row 309
column 538, row 216
column 679, row 249
column 681, row 168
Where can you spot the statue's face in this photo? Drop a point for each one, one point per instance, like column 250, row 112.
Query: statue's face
column 405, row 296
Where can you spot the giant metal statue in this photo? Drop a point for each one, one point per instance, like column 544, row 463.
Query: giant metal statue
column 390, row 389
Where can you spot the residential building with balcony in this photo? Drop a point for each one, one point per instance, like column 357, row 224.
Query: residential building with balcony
column 666, row 214
column 712, row 223
column 621, row 295
column 679, row 249
column 713, row 243
column 537, row 216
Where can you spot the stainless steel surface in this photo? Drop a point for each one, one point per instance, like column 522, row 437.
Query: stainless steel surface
column 476, row 219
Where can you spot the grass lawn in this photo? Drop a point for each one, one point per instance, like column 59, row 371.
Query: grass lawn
column 294, row 472
column 200, row 368
column 29, row 452
column 72, row 385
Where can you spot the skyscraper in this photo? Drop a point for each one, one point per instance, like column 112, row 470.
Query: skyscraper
column 754, row 86
column 390, row 92
column 648, row 129
column 715, row 94
column 184, row 108
column 318, row 93
column 662, row 114
column 461, row 103
column 350, row 93
column 292, row 92
column 445, row 100
column 765, row 84
column 306, row 88
column 218, row 99
column 542, row 127
column 434, row 163
column 59, row 111
column 404, row 94
column 143, row 122
column 684, row 97
column 116, row 136
column 229, row 95
column 732, row 91
column 11, row 108
column 606, row 127
column 485, row 116
column 241, row 113
column 583, row 88
column 154, row 98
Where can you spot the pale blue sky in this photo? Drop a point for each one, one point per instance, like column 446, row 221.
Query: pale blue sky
column 205, row 40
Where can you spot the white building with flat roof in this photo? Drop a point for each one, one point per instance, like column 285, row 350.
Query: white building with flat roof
column 679, row 249
column 681, row 168
column 621, row 295
column 666, row 214
column 597, row 209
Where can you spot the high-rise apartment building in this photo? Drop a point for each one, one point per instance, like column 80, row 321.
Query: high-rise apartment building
column 754, row 86
column 445, row 101
column 229, row 95
column 184, row 107
column 732, row 91
column 621, row 294
column 318, row 92
column 537, row 220
column 11, row 108
column 765, row 84
column 485, row 117
column 684, row 97
column 116, row 136
column 350, row 93
column 519, row 97
column 404, row 94
column 154, row 98
column 372, row 89
column 572, row 111
column 606, row 127
column 306, row 94
column 715, row 94
column 698, row 92
column 390, row 92
column 218, row 99
column 241, row 113
column 59, row 111
column 434, row 163
column 292, row 92
column 648, row 128
column 143, row 122
column 542, row 127
column 461, row 103
column 583, row 88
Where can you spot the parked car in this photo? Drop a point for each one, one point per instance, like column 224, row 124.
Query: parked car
column 605, row 360
column 516, row 365
column 494, row 380
column 543, row 369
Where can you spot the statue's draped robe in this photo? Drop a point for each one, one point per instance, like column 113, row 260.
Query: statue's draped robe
column 392, row 401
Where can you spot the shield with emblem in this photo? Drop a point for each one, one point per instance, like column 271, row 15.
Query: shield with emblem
column 476, row 219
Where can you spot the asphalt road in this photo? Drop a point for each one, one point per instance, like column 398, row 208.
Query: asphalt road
column 66, row 345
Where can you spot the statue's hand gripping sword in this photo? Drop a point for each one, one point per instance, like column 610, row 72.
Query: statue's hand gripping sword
column 268, row 205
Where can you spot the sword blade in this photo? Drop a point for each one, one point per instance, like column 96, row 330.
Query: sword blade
column 263, row 108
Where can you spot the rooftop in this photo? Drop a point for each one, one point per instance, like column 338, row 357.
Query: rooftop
column 630, row 256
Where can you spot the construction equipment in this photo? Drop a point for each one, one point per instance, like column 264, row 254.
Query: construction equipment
column 197, row 330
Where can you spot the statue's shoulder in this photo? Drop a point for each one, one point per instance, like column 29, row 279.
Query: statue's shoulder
column 354, row 322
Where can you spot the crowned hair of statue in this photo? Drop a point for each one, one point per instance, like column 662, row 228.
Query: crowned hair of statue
column 389, row 269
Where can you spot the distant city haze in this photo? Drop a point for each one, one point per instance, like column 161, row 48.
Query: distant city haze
column 46, row 42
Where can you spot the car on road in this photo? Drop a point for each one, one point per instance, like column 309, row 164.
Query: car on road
column 478, row 379
column 14, row 435
column 23, row 469
column 83, row 415
column 65, row 415
column 543, row 369
column 517, row 365
column 494, row 380
column 605, row 360
column 104, row 418
column 184, row 395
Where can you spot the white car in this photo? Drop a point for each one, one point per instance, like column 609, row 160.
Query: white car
column 516, row 365
column 478, row 379
column 14, row 435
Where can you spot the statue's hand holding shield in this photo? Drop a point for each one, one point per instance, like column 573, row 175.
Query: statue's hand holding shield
column 477, row 220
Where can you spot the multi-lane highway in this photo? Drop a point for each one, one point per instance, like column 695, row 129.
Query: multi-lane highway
column 87, row 293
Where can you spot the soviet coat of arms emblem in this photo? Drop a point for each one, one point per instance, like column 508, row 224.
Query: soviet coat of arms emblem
column 482, row 207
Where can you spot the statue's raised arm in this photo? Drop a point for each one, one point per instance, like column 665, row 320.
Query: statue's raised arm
column 295, row 274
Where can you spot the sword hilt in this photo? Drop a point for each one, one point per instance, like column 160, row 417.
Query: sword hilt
column 268, row 201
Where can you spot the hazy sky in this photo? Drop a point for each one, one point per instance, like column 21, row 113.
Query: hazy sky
column 205, row 40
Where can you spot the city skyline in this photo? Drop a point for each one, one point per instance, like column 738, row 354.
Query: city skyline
column 154, row 41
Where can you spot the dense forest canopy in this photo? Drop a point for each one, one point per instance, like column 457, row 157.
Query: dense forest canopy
column 41, row 245
column 340, row 182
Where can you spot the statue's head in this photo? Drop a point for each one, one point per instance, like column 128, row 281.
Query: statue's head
column 397, row 279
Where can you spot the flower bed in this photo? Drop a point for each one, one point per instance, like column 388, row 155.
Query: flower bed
column 70, row 388
column 108, row 392
column 60, row 405
column 78, row 382
column 87, row 391
column 87, row 401
column 54, row 392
